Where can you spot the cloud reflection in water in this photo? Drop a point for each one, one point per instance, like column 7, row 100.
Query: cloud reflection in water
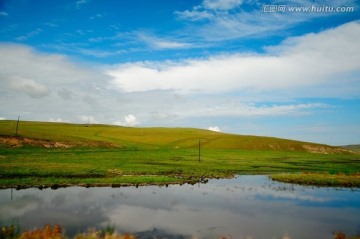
column 244, row 207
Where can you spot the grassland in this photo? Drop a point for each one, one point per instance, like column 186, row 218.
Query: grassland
column 57, row 154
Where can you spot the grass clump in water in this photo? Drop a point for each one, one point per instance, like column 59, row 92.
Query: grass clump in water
column 319, row 179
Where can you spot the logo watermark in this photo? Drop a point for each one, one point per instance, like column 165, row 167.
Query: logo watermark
column 313, row 8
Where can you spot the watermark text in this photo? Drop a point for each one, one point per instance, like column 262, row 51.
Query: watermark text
column 313, row 8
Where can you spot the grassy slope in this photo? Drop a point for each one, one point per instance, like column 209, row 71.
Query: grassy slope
column 153, row 155
column 150, row 137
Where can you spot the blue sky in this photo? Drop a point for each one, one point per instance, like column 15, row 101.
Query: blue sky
column 229, row 65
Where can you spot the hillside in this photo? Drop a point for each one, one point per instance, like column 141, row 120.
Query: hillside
column 352, row 147
column 77, row 135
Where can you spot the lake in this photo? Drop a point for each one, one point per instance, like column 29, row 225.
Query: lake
column 241, row 207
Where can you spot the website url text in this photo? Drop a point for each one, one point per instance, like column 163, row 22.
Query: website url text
column 323, row 8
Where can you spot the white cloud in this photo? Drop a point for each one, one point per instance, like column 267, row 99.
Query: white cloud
column 311, row 60
column 221, row 4
column 130, row 120
column 30, row 87
column 233, row 19
column 57, row 120
column 80, row 3
column 130, row 41
column 97, row 53
column 21, row 63
column 96, row 16
column 238, row 109
column 79, row 49
column 88, row 119
column 215, row 129
column 3, row 14
column 169, row 44
column 194, row 15
column 209, row 9
column 29, row 35
column 157, row 43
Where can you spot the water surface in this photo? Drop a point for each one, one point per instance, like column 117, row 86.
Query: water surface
column 242, row 207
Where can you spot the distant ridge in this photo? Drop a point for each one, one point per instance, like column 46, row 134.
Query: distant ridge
column 353, row 147
column 49, row 134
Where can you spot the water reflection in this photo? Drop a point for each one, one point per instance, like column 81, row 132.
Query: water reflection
column 243, row 207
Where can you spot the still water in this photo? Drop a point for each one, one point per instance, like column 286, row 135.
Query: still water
column 242, row 207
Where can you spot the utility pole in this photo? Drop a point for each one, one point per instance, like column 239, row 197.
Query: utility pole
column 17, row 125
column 199, row 151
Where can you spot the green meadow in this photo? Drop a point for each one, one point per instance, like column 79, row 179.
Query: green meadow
column 58, row 154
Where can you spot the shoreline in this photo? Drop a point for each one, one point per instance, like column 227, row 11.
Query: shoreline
column 302, row 178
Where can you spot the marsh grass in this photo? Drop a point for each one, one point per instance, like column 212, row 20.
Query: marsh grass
column 41, row 167
column 320, row 179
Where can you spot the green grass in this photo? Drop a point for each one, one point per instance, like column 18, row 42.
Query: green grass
column 150, row 138
column 152, row 156
column 320, row 179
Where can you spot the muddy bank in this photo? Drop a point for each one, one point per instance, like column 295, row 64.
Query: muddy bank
column 18, row 141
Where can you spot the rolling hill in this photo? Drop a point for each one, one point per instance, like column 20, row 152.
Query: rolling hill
column 49, row 135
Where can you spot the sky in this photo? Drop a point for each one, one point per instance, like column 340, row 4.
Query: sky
column 280, row 68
